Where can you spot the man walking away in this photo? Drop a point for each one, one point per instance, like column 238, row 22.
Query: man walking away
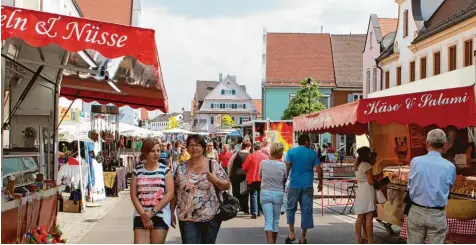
column 253, row 178
column 300, row 161
column 431, row 178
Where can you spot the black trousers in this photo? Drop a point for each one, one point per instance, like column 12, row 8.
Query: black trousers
column 235, row 185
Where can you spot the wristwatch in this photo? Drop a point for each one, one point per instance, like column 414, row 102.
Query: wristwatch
column 154, row 212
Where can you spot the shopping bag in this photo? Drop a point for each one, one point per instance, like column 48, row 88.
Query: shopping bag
column 243, row 187
column 380, row 197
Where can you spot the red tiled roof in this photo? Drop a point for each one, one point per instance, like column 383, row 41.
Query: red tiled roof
column 112, row 11
column 347, row 57
column 291, row 57
column 258, row 105
column 387, row 25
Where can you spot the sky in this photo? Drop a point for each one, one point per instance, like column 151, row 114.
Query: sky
column 198, row 39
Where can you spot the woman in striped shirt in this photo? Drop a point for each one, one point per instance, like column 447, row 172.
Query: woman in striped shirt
column 152, row 189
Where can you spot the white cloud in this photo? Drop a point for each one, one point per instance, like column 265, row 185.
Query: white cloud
column 193, row 49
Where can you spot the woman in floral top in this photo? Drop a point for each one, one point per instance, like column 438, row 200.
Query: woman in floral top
column 195, row 201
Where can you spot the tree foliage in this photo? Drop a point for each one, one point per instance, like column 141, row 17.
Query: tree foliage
column 300, row 104
column 173, row 123
column 227, row 122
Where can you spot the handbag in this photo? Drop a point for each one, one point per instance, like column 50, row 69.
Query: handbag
column 380, row 197
column 243, row 187
column 229, row 205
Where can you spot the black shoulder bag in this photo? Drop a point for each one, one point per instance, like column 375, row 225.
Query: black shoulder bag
column 229, row 206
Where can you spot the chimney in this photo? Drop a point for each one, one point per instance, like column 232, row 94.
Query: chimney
column 220, row 77
column 322, row 29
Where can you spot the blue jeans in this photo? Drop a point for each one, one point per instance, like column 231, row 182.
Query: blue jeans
column 303, row 196
column 255, row 204
column 199, row 232
column 271, row 201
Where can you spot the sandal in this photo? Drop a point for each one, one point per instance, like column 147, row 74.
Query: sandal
column 289, row 240
column 303, row 242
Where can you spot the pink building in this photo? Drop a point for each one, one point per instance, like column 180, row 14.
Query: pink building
column 380, row 34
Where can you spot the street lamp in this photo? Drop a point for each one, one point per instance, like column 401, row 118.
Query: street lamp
column 309, row 83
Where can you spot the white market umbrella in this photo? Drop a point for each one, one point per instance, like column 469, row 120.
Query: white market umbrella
column 177, row 131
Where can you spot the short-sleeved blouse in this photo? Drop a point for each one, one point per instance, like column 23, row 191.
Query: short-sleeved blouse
column 196, row 196
column 360, row 174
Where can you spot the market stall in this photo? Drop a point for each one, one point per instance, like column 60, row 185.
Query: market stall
column 397, row 126
column 38, row 49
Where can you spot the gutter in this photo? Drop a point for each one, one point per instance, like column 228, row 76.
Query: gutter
column 381, row 73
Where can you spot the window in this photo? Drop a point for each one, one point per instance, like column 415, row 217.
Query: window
column 412, row 71
column 399, row 76
column 240, row 106
column 436, row 63
column 468, row 53
column 387, row 79
column 228, row 92
column 202, row 121
column 292, row 96
column 423, row 68
column 370, row 40
column 405, row 23
column 367, row 78
column 375, row 79
column 452, row 58
column 246, row 119
column 227, row 106
column 222, row 106
column 356, row 97
column 325, row 100
column 212, row 120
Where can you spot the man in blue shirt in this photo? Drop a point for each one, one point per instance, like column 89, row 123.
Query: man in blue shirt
column 300, row 163
column 429, row 184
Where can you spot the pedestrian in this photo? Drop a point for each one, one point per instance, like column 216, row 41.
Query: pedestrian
column 152, row 189
column 273, row 176
column 301, row 160
column 176, row 151
column 211, row 153
column 365, row 203
column 166, row 156
column 253, row 178
column 265, row 146
column 224, row 157
column 238, row 176
column 184, row 155
column 196, row 201
column 430, row 180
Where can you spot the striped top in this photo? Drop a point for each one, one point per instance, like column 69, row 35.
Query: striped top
column 150, row 186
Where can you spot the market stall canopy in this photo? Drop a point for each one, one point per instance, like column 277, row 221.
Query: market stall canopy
column 235, row 133
column 447, row 107
column 177, row 131
column 128, row 56
column 336, row 120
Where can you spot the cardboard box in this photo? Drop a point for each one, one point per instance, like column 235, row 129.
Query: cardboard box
column 70, row 207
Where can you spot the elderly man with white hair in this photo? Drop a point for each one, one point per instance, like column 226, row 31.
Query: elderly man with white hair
column 265, row 146
column 431, row 178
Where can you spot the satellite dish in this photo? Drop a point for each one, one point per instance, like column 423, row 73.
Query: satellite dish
column 387, row 40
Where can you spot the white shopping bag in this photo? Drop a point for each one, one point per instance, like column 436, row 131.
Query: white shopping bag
column 380, row 197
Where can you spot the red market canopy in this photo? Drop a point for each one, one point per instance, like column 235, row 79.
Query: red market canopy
column 134, row 49
column 448, row 107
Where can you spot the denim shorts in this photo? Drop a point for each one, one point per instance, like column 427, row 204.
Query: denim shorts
column 159, row 223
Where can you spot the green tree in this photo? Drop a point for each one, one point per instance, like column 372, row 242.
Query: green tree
column 227, row 122
column 300, row 104
column 173, row 123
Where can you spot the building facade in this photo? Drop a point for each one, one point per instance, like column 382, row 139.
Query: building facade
column 380, row 34
column 225, row 97
column 161, row 122
column 287, row 59
column 433, row 42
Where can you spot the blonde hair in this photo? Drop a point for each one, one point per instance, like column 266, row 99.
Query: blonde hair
column 276, row 150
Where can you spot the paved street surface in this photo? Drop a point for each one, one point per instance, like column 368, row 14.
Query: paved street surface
column 116, row 227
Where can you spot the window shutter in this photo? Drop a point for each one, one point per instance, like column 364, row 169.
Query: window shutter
column 212, row 105
column 222, row 106
column 233, row 92
column 212, row 120
column 222, row 91
column 244, row 106
column 241, row 120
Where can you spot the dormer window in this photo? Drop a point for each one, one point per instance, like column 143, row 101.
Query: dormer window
column 228, row 92
column 405, row 23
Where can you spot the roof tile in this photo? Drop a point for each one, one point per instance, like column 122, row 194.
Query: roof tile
column 292, row 57
column 347, row 57
column 113, row 11
column 387, row 25
column 258, row 105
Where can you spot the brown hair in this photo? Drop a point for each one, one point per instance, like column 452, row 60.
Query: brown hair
column 147, row 146
column 363, row 156
column 245, row 144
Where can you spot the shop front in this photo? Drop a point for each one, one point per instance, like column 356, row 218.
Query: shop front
column 397, row 126
column 45, row 56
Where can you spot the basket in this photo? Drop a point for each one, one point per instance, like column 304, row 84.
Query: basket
column 461, row 209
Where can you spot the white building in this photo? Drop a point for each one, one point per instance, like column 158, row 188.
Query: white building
column 433, row 38
column 161, row 122
column 226, row 98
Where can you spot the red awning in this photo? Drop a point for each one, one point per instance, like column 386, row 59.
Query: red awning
column 76, row 34
column 448, row 107
column 137, row 47
column 336, row 120
column 455, row 107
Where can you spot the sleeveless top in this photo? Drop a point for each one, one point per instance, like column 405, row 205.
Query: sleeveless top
column 237, row 165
